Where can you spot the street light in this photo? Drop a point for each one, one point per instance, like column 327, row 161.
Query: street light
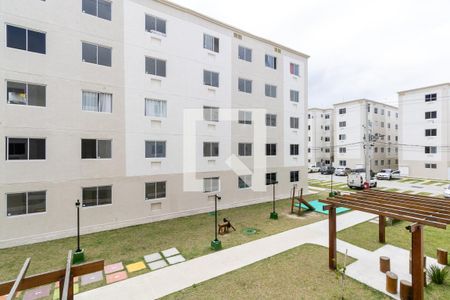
column 78, row 255
column 216, row 244
column 273, row 214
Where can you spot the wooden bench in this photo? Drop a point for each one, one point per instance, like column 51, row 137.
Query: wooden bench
column 385, row 264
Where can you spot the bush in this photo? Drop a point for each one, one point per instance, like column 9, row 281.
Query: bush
column 436, row 274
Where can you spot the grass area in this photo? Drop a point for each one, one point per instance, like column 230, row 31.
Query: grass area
column 300, row 273
column 392, row 190
column 337, row 186
column 408, row 192
column 365, row 235
column 424, row 194
column 191, row 235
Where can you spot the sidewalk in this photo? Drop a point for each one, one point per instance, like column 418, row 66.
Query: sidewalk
column 177, row 277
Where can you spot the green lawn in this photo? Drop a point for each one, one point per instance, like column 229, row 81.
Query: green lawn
column 191, row 235
column 300, row 273
column 365, row 235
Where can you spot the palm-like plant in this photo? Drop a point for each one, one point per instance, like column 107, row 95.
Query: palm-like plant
column 436, row 274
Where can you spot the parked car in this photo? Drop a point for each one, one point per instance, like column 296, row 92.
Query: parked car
column 342, row 171
column 363, row 171
column 395, row 174
column 327, row 170
column 447, row 192
column 313, row 169
column 356, row 180
column 384, row 174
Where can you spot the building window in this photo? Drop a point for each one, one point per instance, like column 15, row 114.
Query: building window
column 376, row 162
column 155, row 149
column 430, row 149
column 327, row 128
column 245, row 117
column 295, row 96
column 342, row 150
column 309, row 127
column 25, row 93
column 294, row 149
column 294, row 122
column 430, row 132
column 342, row 124
column 244, row 181
column 327, row 139
column 382, row 124
column 430, row 97
column 271, row 178
column 245, row 149
column 95, row 149
column 382, row 150
column 96, row 54
column 430, row 115
column 211, row 114
column 25, row 39
column 210, row 42
column 25, row 148
column 211, row 184
column 25, row 203
column 98, row 8
column 155, row 190
column 388, row 125
column 327, row 150
column 271, row 91
column 271, row 120
column 98, row 102
column 271, row 149
column 245, row 85
column 342, row 137
column 155, row 66
column 430, row 166
column 155, row 24
column 342, row 163
column 271, row 61
column 342, row 111
column 294, row 176
column 97, row 195
column 294, row 69
column 245, row 53
column 156, row 108
column 210, row 78
column 327, row 116
column 382, row 111
column 210, row 149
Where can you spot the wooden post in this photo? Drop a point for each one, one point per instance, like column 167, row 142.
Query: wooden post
column 293, row 199
column 332, row 258
column 391, row 282
column 382, row 229
column 405, row 290
column 417, row 261
column 442, row 256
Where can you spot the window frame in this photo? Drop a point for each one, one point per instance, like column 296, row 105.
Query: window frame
column 247, row 85
column 246, row 117
column 272, row 176
column 211, row 179
column 296, row 95
column 294, row 122
column 246, row 179
column 97, row 146
column 294, row 149
column 270, row 61
column 27, row 29
column 209, row 75
column 245, row 149
column 7, row 138
column 272, row 118
column 210, row 112
column 97, row 46
column 213, row 46
column 271, row 149
column 98, row 101
column 431, row 97
column 270, row 90
column 155, row 31
column 156, row 67
column 296, row 176
column 156, row 190
column 156, row 143
column 164, row 103
column 27, row 84
column 245, row 53
column 27, row 213
column 97, row 196
column 294, row 69
column 211, row 146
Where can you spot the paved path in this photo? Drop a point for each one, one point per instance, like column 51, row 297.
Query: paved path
column 165, row 281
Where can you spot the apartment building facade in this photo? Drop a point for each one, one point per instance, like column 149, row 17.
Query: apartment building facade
column 351, row 118
column 320, row 136
column 99, row 96
column 424, row 149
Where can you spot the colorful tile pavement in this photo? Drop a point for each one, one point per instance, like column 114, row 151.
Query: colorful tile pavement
column 170, row 252
column 175, row 259
column 136, row 267
column 113, row 268
column 91, row 278
column 111, row 278
column 37, row 293
column 155, row 265
column 152, row 257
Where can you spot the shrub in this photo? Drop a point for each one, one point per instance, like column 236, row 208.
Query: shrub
column 436, row 274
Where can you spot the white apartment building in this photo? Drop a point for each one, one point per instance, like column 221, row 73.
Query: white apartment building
column 424, row 138
column 320, row 136
column 350, row 121
column 99, row 96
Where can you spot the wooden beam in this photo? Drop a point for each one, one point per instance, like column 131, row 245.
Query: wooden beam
column 67, row 288
column 417, row 198
column 382, row 229
column 15, row 287
column 417, row 263
column 332, row 257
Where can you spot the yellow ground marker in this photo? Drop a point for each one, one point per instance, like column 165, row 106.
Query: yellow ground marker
column 135, row 267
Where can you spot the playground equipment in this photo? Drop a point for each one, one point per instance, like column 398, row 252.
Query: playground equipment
column 300, row 201
column 225, row 227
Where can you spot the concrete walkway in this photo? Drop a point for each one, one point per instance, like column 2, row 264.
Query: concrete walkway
column 162, row 282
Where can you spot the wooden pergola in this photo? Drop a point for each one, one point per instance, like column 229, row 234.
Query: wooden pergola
column 420, row 210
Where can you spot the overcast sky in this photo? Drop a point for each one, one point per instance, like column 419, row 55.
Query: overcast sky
column 358, row 48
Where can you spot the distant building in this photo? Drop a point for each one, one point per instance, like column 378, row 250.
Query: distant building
column 320, row 136
column 424, row 149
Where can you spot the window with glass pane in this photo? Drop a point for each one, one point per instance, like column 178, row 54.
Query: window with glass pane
column 294, row 149
column 25, row 148
column 245, row 85
column 104, row 56
column 88, row 148
column 295, row 96
column 271, row 178
column 155, row 66
column 430, row 97
column 154, row 149
column 36, row 95
column 36, row 202
column 36, row 148
column 245, row 53
column 36, row 41
column 90, row 196
column 271, row 120
column 244, row 181
column 16, row 93
column 294, row 122
column 155, row 24
column 156, row 108
column 271, row 149
column 211, row 113
column 271, row 91
column 103, row 148
column 93, row 196
column 210, row 78
column 210, row 149
column 96, row 54
column 98, row 102
column 294, row 176
column 245, row 117
column 98, row 8
column 211, row 184
column 271, row 61
column 294, row 69
column 210, row 42
column 16, row 204
column 25, row 39
column 104, row 195
column 245, row 149
column 155, row 190
column 89, row 53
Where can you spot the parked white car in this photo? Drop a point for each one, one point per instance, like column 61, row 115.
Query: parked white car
column 356, row 180
column 384, row 174
column 395, row 174
column 447, row 192
column 313, row 169
column 342, row 171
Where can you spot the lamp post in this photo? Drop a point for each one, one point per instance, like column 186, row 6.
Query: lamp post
column 216, row 244
column 78, row 255
column 273, row 214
